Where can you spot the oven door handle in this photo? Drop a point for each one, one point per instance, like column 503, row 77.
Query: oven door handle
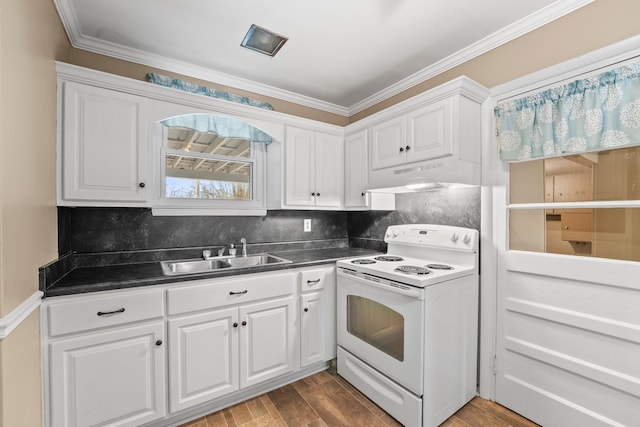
column 413, row 293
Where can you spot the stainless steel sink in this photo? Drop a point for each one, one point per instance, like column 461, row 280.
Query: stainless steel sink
column 192, row 266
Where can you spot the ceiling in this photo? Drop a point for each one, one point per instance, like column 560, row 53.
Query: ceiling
column 342, row 55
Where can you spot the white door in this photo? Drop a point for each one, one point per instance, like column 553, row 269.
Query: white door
column 114, row 378
column 356, row 170
column 104, row 146
column 203, row 354
column 388, row 141
column 568, row 326
column 329, row 170
column 313, row 325
column 266, row 340
column 299, row 167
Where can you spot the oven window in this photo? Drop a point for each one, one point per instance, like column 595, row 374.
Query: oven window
column 376, row 325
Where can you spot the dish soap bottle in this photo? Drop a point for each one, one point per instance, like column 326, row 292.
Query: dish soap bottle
column 232, row 250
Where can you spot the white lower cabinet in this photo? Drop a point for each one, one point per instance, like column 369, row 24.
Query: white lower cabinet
column 317, row 288
column 203, row 354
column 107, row 354
column 108, row 378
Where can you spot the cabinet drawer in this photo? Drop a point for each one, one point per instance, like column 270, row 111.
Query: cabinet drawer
column 85, row 313
column 219, row 293
column 312, row 280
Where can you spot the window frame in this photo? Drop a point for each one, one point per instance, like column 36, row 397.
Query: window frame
column 171, row 206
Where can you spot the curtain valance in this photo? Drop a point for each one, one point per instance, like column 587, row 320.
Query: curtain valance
column 161, row 80
column 596, row 113
column 223, row 126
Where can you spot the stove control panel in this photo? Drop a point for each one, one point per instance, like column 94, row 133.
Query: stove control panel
column 444, row 236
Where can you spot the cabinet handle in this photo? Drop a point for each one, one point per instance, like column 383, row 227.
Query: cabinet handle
column 408, row 148
column 306, row 309
column 159, row 342
column 238, row 293
column 142, row 185
column 313, row 281
column 244, row 323
column 362, row 194
column 106, row 313
column 235, row 324
column 401, row 149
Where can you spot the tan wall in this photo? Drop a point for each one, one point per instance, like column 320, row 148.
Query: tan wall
column 137, row 71
column 31, row 37
column 596, row 25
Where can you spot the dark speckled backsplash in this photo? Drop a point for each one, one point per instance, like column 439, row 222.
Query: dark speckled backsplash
column 454, row 206
column 95, row 230
column 90, row 230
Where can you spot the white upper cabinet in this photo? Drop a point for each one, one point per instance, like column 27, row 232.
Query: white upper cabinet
column 433, row 137
column 313, row 169
column 103, row 150
column 422, row 134
column 388, row 140
column 430, row 132
column 356, row 170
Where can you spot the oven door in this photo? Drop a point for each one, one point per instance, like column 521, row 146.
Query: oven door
column 382, row 325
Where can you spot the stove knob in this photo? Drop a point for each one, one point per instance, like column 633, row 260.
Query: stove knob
column 396, row 233
column 454, row 237
column 466, row 239
column 388, row 234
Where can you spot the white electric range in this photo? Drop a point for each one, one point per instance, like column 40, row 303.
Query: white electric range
column 408, row 322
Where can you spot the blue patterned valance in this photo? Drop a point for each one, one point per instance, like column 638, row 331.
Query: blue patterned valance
column 223, row 126
column 203, row 90
column 596, row 113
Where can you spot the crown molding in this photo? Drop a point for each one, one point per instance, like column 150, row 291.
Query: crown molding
column 18, row 314
column 505, row 35
column 525, row 25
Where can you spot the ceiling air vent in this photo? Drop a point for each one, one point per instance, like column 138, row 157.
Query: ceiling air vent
column 263, row 41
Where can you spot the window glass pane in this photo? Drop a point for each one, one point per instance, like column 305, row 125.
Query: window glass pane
column 204, row 178
column 601, row 176
column 604, row 233
column 207, row 142
column 377, row 325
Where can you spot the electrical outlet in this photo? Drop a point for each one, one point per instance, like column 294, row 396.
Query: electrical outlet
column 307, row 225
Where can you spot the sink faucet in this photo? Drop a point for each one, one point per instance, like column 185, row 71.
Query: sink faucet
column 244, row 246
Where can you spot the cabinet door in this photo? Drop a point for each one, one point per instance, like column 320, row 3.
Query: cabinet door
column 430, row 132
column 356, row 170
column 203, row 354
column 299, row 167
column 266, row 340
column 329, row 170
column 312, row 329
column 109, row 378
column 104, row 150
column 388, row 141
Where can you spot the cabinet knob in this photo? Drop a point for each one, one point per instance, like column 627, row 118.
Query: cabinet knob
column 318, row 194
column 401, row 149
column 362, row 194
column 313, row 194
column 306, row 309
column 235, row 324
column 159, row 342
column 408, row 148
column 142, row 185
column 566, row 227
column 244, row 323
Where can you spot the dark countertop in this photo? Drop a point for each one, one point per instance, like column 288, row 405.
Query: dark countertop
column 121, row 276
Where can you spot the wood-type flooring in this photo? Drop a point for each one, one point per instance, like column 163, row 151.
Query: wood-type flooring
column 325, row 400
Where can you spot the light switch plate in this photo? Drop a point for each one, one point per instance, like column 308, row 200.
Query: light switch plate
column 307, row 225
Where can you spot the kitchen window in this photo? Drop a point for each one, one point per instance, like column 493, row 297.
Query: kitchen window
column 211, row 165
